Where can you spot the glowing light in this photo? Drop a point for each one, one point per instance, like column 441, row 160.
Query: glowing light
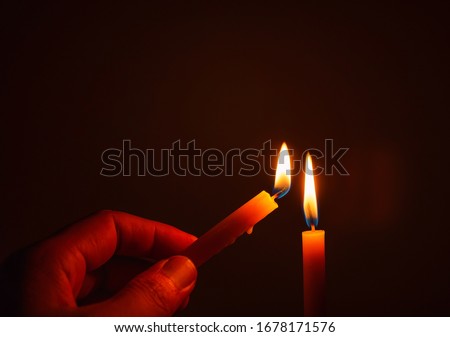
column 283, row 174
column 309, row 195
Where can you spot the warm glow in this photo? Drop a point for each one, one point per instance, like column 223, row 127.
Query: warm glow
column 309, row 195
column 283, row 174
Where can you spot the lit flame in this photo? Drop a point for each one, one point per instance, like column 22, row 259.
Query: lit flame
column 309, row 195
column 283, row 174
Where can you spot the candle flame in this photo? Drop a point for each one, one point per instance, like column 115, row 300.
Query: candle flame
column 309, row 195
column 283, row 174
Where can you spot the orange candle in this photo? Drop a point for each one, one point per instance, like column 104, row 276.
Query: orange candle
column 229, row 229
column 313, row 242
column 244, row 218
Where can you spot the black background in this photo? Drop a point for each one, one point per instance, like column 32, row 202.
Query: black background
column 77, row 80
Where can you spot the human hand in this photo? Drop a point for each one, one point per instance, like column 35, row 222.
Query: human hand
column 90, row 269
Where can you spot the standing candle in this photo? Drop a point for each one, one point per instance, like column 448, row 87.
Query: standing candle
column 244, row 218
column 313, row 242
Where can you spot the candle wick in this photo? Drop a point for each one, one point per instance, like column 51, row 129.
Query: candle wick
column 276, row 195
column 313, row 228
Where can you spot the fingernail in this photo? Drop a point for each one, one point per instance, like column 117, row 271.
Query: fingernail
column 180, row 270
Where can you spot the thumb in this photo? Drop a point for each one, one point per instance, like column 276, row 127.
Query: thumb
column 158, row 291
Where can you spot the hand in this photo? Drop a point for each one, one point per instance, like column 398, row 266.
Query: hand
column 93, row 268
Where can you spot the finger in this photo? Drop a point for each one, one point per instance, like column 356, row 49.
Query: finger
column 159, row 291
column 98, row 237
column 85, row 246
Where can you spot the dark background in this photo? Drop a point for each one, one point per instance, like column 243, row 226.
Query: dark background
column 77, row 80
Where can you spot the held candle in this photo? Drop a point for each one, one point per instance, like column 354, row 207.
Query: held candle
column 313, row 247
column 229, row 229
column 244, row 218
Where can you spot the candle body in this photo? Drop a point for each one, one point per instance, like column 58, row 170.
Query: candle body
column 313, row 243
column 229, row 229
